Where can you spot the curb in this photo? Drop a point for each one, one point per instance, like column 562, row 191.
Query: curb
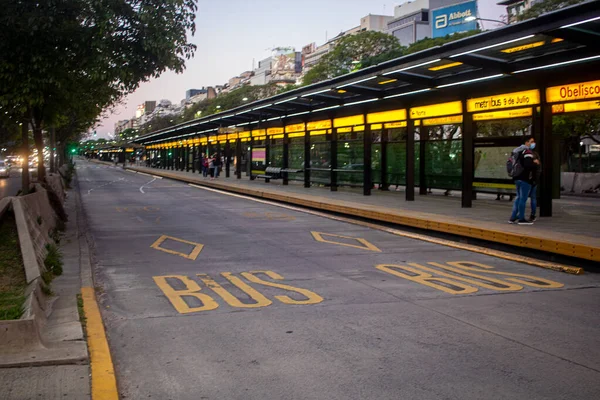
column 512, row 239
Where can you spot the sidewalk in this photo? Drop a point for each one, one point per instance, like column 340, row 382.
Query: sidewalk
column 64, row 372
column 572, row 231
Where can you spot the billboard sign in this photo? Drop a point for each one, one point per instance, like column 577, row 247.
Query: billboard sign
column 451, row 19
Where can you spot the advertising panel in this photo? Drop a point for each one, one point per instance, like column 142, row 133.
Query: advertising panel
column 451, row 19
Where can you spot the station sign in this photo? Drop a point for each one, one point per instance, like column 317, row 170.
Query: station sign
column 576, row 91
column 455, row 119
column 244, row 134
column 258, row 132
column 274, row 131
column 575, row 107
column 349, row 121
column 295, row 128
column 506, row 100
column 386, row 116
column 436, row 110
column 314, row 125
column 504, row 114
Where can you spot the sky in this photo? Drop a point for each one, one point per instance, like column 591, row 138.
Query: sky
column 230, row 34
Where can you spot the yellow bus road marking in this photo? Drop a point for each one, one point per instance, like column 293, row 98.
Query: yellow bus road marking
column 193, row 290
column 448, row 243
column 191, row 256
column 104, row 383
column 458, row 283
column 365, row 245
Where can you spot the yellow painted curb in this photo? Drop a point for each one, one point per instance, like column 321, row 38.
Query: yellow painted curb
column 513, row 239
column 104, row 383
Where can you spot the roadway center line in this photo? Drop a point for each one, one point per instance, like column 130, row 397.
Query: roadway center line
column 461, row 246
column 106, row 184
column 146, row 184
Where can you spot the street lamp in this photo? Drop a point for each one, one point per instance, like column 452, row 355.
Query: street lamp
column 472, row 18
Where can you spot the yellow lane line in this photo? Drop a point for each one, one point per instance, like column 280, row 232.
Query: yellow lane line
column 448, row 243
column 104, row 383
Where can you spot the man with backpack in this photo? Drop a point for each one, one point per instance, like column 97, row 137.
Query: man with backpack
column 521, row 167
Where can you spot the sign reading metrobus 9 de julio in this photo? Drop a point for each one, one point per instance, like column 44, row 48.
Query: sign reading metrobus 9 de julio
column 451, row 19
column 575, row 91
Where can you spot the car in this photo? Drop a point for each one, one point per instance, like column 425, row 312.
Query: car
column 4, row 170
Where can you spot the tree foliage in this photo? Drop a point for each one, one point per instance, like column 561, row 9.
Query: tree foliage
column 348, row 51
column 545, row 6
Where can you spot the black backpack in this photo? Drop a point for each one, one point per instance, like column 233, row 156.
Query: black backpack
column 514, row 164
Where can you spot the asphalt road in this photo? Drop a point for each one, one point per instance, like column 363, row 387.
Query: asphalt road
column 212, row 296
column 10, row 186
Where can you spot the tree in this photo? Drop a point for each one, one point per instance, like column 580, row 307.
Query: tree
column 573, row 128
column 55, row 51
column 349, row 51
column 545, row 6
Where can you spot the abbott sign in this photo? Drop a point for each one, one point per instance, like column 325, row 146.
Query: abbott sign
column 451, row 19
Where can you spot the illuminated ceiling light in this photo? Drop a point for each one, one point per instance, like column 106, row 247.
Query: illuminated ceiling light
column 286, row 100
column 407, row 93
column 315, row 93
column 445, row 66
column 341, row 91
column 357, row 82
column 388, row 81
column 557, row 40
column 557, row 64
column 485, row 78
column 300, row 113
column 261, row 107
column 360, row 102
column 414, row 66
column 492, row 46
column 523, row 47
column 273, row 119
column 580, row 22
column 243, row 112
column 326, row 108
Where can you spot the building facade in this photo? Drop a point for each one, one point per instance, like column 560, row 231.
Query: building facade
column 514, row 8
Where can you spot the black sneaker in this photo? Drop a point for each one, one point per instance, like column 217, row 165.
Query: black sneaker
column 524, row 222
column 533, row 218
column 512, row 221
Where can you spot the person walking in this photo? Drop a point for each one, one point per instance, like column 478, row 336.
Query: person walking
column 535, row 179
column 523, row 168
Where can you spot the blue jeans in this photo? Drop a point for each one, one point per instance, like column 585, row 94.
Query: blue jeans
column 216, row 174
column 518, row 211
column 533, row 196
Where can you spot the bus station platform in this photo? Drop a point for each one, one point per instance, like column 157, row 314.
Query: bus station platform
column 572, row 230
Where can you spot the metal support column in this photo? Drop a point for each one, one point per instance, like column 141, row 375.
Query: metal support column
column 238, row 157
column 410, row 160
column 546, row 158
column 286, row 157
column 306, row 159
column 468, row 164
column 333, row 152
column 249, row 163
column 367, row 159
column 227, row 158
column 194, row 157
column 187, row 159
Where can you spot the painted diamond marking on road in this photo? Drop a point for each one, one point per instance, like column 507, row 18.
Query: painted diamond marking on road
column 364, row 244
column 191, row 256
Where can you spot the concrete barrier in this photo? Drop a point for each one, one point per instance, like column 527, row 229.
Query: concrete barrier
column 575, row 182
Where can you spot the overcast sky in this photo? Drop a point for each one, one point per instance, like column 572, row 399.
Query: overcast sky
column 231, row 33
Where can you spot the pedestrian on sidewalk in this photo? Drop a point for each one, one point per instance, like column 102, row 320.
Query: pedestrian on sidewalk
column 217, row 166
column 521, row 167
column 205, row 165
column 535, row 179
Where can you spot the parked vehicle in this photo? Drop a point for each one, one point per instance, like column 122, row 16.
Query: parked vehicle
column 4, row 170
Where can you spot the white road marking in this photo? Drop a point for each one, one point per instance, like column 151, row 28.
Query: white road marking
column 157, row 177
column 142, row 187
column 106, row 184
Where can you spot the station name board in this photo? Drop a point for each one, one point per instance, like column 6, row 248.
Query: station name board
column 577, row 106
column 436, row 110
column 576, row 91
column 505, row 114
column 506, row 100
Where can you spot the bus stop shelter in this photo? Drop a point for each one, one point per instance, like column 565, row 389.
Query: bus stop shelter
column 446, row 117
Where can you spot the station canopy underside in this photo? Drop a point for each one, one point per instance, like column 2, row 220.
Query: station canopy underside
column 556, row 48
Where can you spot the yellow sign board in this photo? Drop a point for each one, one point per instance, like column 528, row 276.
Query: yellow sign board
column 506, row 100
column 523, row 47
column 274, row 131
column 349, row 121
column 295, row 128
column 436, row 110
column 314, row 125
column 386, row 116
column 575, row 107
column 244, row 134
column 318, row 133
column 222, row 137
column 296, row 135
column 344, row 130
column 129, row 150
column 456, row 119
column 504, row 114
column 576, row 91
column 392, row 125
column 359, row 128
column 232, row 136
column 258, row 132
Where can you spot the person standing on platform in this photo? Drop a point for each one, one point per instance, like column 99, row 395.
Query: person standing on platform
column 521, row 167
column 535, row 179
column 216, row 165
column 205, row 164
